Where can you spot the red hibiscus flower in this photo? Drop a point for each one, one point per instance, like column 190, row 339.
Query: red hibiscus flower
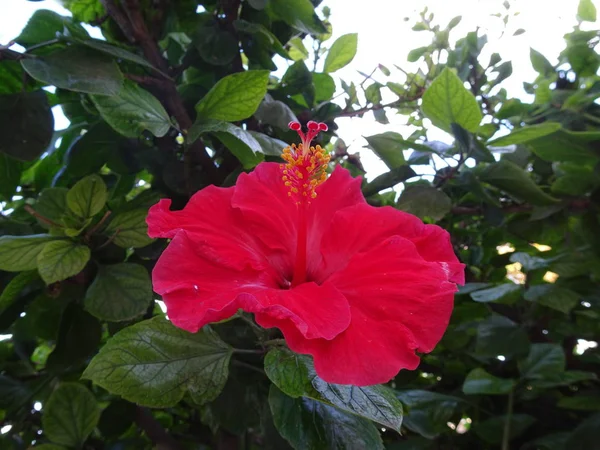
column 357, row 287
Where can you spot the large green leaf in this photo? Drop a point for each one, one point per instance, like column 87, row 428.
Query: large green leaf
column 234, row 97
column 498, row 335
column 132, row 111
column 341, row 53
column 525, row 134
column 513, row 180
column 388, row 180
column 18, row 253
column 478, row 381
column 586, row 10
column 62, row 259
column 119, row 292
column 556, row 297
column 310, row 425
column 44, row 25
column 216, row 46
column 239, row 142
column 269, row 145
column 17, row 284
column 130, row 229
column 299, row 14
column 76, row 69
column 70, row 415
column 540, row 63
column 493, row 429
column 566, row 146
column 295, row 375
column 389, row 146
column 52, row 204
column 542, row 359
column 447, row 101
column 428, row 412
column 26, row 124
column 496, row 293
column 87, row 197
column 152, row 363
column 425, row 201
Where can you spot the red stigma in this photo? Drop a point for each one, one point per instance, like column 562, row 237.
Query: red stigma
column 314, row 128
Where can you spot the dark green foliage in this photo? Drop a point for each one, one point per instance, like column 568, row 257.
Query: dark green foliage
column 173, row 101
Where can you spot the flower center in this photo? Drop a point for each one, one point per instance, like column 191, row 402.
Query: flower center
column 305, row 169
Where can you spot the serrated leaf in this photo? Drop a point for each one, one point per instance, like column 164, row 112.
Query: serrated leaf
column 26, row 124
column 478, row 382
column 447, row 101
column 70, row 415
column 425, row 201
column 119, row 292
column 76, row 69
column 295, row 375
column 542, row 359
column 341, row 53
column 307, row 424
column 87, row 197
column 132, row 111
column 234, row 97
column 60, row 260
column 18, row 253
column 513, row 180
column 152, row 363
column 239, row 142
column 131, row 229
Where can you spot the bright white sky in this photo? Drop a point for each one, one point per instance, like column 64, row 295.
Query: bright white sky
column 384, row 37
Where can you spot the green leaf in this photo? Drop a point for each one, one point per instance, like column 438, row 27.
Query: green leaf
column 10, row 175
column 586, row 11
column 513, row 180
column 478, row 382
column 389, row 147
column 132, row 111
column 131, row 229
column 76, row 69
column 70, row 415
column 297, row 49
column 275, row 112
column 117, row 52
column 566, row 146
column 539, row 62
column 295, row 375
column 496, row 293
column 447, row 101
column 239, row 142
column 87, row 197
column 388, row 180
column 60, row 260
column 18, row 253
column 215, row 46
column 234, row 97
column 341, row 53
column 556, row 297
column 15, row 286
column 86, row 10
column 307, row 424
column 498, row 335
column 43, row 26
column 299, row 14
column 52, row 204
column 492, row 430
column 525, row 134
column 428, row 412
column 264, row 36
column 586, row 436
column 555, row 379
column 152, row 363
column 324, row 86
column 416, row 53
column 424, row 201
column 119, row 292
column 26, row 124
column 542, row 359
column 584, row 402
column 269, row 145
column 528, row 262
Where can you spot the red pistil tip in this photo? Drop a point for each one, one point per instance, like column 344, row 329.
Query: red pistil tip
column 294, row 126
column 313, row 126
column 323, row 127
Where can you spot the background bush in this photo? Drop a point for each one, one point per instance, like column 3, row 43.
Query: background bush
column 167, row 105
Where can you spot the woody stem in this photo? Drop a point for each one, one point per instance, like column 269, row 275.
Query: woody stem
column 300, row 264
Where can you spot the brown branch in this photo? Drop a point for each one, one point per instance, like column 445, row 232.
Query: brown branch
column 37, row 215
column 113, row 10
column 132, row 21
column 231, row 9
column 155, row 431
column 145, row 80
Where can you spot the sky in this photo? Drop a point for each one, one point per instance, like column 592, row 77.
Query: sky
column 386, row 38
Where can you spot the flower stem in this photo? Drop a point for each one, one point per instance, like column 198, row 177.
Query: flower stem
column 300, row 264
column 245, row 351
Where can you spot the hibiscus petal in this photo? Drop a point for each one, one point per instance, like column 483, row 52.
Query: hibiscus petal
column 217, row 228
column 197, row 291
column 323, row 309
column 360, row 227
column 399, row 303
